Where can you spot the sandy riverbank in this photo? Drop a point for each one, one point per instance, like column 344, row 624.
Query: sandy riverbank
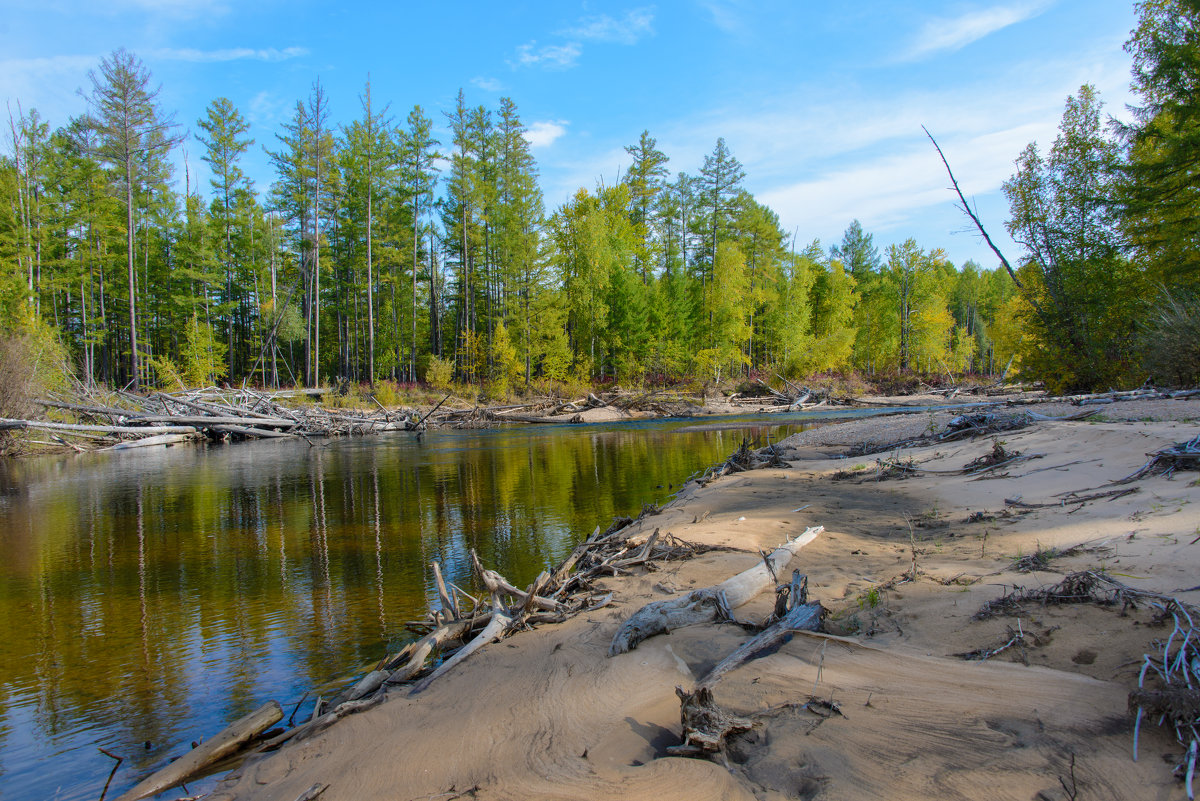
column 546, row 714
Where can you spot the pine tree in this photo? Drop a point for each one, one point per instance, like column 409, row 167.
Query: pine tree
column 1080, row 289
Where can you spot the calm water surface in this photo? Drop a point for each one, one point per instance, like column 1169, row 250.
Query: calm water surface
column 149, row 598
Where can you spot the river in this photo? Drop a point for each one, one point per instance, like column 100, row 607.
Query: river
column 150, row 597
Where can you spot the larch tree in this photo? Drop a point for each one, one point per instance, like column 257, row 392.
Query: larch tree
column 134, row 137
column 225, row 141
column 720, row 182
column 372, row 152
column 519, row 220
column 419, row 155
column 646, row 178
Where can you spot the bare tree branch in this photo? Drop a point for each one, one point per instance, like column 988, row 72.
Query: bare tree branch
column 967, row 208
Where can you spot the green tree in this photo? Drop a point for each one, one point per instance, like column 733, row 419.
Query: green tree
column 1160, row 190
column 134, row 137
column 225, row 142
column 518, row 221
column 728, row 311
column 646, row 178
column 833, row 299
column 857, row 252
column 1081, row 292
column 419, row 157
column 720, row 182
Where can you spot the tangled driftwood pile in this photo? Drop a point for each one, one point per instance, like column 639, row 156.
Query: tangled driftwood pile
column 1180, row 456
column 166, row 418
column 792, row 398
column 460, row 624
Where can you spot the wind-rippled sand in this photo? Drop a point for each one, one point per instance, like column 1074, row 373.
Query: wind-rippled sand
column 546, row 715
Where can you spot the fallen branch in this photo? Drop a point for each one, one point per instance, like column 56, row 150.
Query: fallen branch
column 228, row 742
column 802, row 616
column 493, row 631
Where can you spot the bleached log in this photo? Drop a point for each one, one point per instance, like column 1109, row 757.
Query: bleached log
column 146, row 442
column 202, row 420
column 802, row 617
column 252, row 433
column 562, row 571
column 710, row 603
column 494, row 629
column 448, row 605
column 421, row 650
column 8, row 424
column 228, row 742
column 107, row 411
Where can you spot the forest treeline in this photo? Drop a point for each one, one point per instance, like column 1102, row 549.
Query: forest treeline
column 380, row 251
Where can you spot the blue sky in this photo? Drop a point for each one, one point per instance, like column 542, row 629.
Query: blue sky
column 821, row 102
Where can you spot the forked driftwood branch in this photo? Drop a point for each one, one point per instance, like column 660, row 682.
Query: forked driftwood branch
column 710, row 603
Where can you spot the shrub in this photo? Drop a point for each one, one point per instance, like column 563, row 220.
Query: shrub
column 387, row 393
column 166, row 373
column 33, row 361
column 1170, row 339
column 440, row 374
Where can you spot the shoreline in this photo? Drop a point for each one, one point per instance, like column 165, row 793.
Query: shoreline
column 559, row 719
column 204, row 415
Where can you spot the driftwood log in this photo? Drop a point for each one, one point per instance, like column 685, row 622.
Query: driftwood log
column 710, row 603
column 793, row 613
column 228, row 742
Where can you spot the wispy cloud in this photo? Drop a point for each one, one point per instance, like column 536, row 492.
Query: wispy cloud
column 726, row 14
column 550, row 56
column 228, row 54
column 47, row 83
column 863, row 155
column 267, row 109
column 173, row 9
column 52, row 65
column 487, row 84
column 543, row 134
column 955, row 33
column 627, row 30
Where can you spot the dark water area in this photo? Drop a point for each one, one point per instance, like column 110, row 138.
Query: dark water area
column 151, row 597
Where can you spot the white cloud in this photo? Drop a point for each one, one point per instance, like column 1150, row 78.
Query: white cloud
column 897, row 185
column 487, row 84
column 602, row 28
column 822, row 156
column 948, row 35
column 544, row 134
column 266, row 109
column 550, row 56
column 726, row 15
column 633, row 26
column 177, row 9
column 228, row 54
column 46, row 83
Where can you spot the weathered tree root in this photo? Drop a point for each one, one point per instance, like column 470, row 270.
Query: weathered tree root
column 705, row 725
